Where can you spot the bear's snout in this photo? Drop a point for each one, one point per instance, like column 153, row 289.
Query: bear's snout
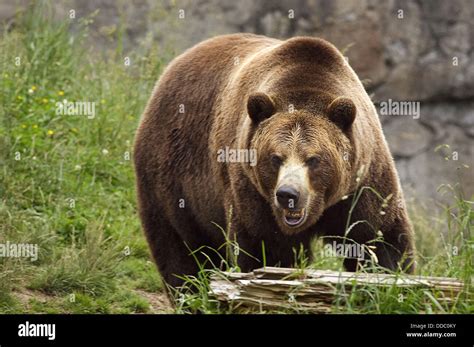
column 287, row 196
column 289, row 200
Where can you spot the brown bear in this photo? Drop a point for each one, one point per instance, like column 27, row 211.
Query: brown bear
column 270, row 140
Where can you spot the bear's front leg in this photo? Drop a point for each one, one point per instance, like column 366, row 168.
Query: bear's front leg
column 386, row 235
column 248, row 251
column 397, row 250
column 269, row 247
column 391, row 242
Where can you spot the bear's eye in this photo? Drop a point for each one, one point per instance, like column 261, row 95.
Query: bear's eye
column 276, row 160
column 313, row 161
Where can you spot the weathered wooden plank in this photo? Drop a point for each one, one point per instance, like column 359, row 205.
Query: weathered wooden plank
column 314, row 290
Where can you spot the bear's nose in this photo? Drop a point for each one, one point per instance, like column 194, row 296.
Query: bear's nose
column 287, row 196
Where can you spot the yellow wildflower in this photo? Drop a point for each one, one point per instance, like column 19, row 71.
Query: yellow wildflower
column 50, row 132
column 60, row 93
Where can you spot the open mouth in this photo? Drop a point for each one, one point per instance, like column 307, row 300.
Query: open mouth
column 294, row 218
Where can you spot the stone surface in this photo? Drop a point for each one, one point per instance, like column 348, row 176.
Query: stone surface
column 407, row 137
column 428, row 170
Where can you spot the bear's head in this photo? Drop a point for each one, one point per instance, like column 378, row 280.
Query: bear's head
column 304, row 157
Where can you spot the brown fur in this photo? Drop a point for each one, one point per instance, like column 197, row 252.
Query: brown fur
column 175, row 154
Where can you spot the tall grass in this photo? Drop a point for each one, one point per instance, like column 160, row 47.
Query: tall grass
column 66, row 182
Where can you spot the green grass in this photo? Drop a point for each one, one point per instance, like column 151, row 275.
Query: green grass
column 66, row 182
column 67, row 185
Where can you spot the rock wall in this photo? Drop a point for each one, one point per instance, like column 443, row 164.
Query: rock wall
column 419, row 51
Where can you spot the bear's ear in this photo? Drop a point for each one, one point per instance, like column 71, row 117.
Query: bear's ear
column 342, row 111
column 260, row 107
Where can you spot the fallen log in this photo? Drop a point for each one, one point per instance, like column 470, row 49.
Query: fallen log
column 316, row 291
